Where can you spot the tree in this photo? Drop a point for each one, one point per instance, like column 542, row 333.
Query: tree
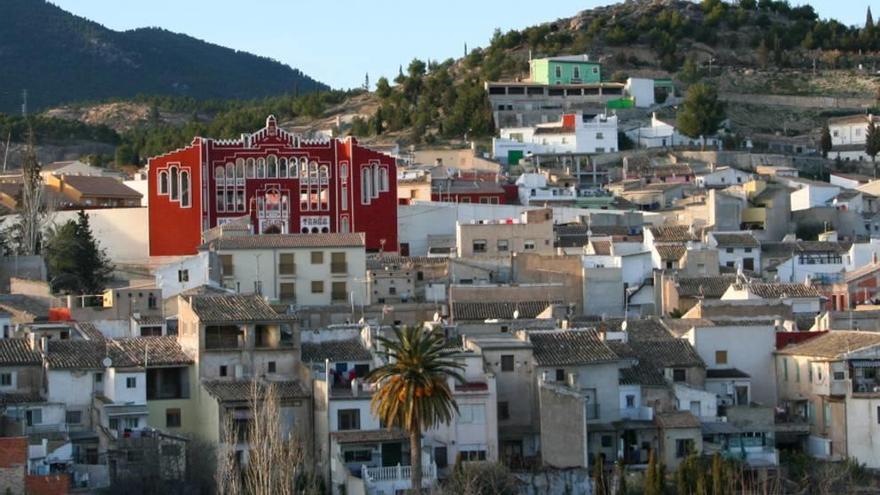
column 869, row 20
column 872, row 143
column 32, row 214
column 763, row 54
column 413, row 391
column 689, row 72
column 601, row 487
column 75, row 260
column 275, row 457
column 825, row 141
column 717, row 474
column 621, row 474
column 383, row 89
column 481, row 478
column 653, row 476
column 702, row 113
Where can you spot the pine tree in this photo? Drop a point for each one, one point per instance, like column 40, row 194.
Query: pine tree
column 869, row 20
column 702, row 113
column 825, row 141
column 75, row 260
column 872, row 143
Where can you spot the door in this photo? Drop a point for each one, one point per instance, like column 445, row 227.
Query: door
column 392, row 454
column 749, row 264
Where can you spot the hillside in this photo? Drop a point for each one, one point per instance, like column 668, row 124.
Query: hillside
column 59, row 57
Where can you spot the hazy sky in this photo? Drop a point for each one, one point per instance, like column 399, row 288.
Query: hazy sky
column 339, row 41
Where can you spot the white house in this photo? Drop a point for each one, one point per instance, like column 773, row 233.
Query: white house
column 801, row 298
column 722, row 177
column 533, row 189
column 183, row 274
column 848, row 136
column 641, row 90
column 660, row 134
column 848, row 181
column 811, row 193
column 736, row 249
column 575, row 133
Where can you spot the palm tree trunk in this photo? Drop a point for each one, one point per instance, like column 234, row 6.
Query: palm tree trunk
column 415, row 458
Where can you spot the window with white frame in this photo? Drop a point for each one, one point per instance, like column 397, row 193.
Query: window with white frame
column 184, row 189
column 471, row 414
column 175, row 184
column 163, row 182
column 131, row 382
column 366, row 185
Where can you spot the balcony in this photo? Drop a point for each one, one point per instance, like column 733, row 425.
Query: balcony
column 637, row 413
column 395, row 479
column 339, row 268
column 287, row 270
column 46, row 429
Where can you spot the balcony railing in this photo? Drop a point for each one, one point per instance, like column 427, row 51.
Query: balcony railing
column 287, row 270
column 637, row 413
column 339, row 297
column 48, row 428
column 339, row 268
column 374, row 475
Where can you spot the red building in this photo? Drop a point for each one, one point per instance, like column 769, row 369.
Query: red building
column 284, row 184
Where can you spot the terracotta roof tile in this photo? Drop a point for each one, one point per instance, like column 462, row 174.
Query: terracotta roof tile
column 776, row 290
column 671, row 252
column 834, row 344
column 286, row 241
column 677, row 419
column 105, row 187
column 713, row 287
column 335, row 350
column 18, row 352
column 372, row 436
column 157, row 351
column 240, row 390
column 735, row 239
column 235, row 308
column 479, row 311
column 673, row 233
column 570, row 347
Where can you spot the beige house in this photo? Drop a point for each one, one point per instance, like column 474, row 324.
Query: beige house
column 532, row 233
column 301, row 269
column 238, row 340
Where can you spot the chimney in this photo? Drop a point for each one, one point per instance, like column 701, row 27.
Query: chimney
column 44, row 345
column 354, row 387
column 32, row 341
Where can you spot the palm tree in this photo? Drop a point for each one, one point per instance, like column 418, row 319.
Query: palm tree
column 412, row 388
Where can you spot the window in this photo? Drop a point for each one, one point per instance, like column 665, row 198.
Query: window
column 339, row 291
column 600, row 135
column 360, row 455
column 184, row 189
column 287, row 291
column 338, row 264
column 348, row 419
column 838, row 375
column 172, row 418
column 576, row 72
column 748, row 250
column 441, row 455
column 34, row 417
column 183, row 275
column 878, row 415
column 529, row 245
column 630, row 401
column 502, row 245
column 73, row 417
column 317, row 286
column 152, row 301
column 223, row 370
column 366, row 185
column 343, row 198
column 507, row 362
column 163, row 182
column 479, row 245
column 683, row 447
column 472, row 414
column 809, row 373
column 679, row 375
column 797, row 372
column 131, row 423
column 317, row 257
column 175, row 184
column 99, row 377
column 286, row 264
column 560, row 375
column 785, row 369
column 503, row 410
column 226, row 267
column 6, row 379
column 472, row 455
column 383, row 179
column 270, row 367
column 720, row 357
column 131, row 382
column 558, row 71
column 606, row 441
column 729, row 250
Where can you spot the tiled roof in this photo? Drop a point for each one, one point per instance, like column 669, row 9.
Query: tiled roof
column 105, row 187
column 237, row 307
column 379, row 262
column 335, row 350
column 157, row 351
column 640, row 373
column 861, row 271
column 735, row 239
column 286, row 241
column 677, row 419
column 241, row 390
column 671, row 353
column 372, row 436
column 834, row 344
column 713, row 287
column 570, row 347
column 21, row 397
column 17, row 352
column 672, row 233
column 670, row 252
column 479, row 311
column 726, row 373
column 89, row 330
column 86, row 354
column 775, row 290
column 601, row 248
column 852, row 119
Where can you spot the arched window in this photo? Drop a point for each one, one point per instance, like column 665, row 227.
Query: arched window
column 261, row 168
column 175, row 184
column 230, row 171
column 239, row 168
column 292, row 168
column 343, row 171
column 344, row 226
column 272, row 167
column 251, row 172
column 163, row 182
column 366, row 185
column 219, row 172
column 383, row 179
column 184, row 189
column 303, row 169
column 282, row 168
column 376, row 187
column 313, row 172
column 324, row 173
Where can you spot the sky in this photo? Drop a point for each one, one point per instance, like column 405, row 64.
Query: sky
column 338, row 42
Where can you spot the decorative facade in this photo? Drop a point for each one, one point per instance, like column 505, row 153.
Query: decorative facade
column 282, row 183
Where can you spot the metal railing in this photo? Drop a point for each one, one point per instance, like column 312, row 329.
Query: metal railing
column 396, row 473
column 339, row 267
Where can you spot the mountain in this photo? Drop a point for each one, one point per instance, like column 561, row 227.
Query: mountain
column 60, row 57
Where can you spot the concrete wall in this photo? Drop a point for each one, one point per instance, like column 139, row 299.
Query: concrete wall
column 668, row 441
column 31, row 268
column 840, row 102
column 603, row 292
column 534, row 268
column 563, row 427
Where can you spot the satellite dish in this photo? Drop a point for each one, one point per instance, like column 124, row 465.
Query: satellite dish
column 436, row 316
column 107, row 362
column 515, row 314
column 623, row 326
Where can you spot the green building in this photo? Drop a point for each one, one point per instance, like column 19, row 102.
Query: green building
column 576, row 69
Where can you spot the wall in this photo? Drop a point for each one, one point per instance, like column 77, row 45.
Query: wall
column 669, row 438
column 516, row 235
column 555, row 482
column 563, row 427
column 863, row 430
column 603, row 292
column 840, row 102
column 71, row 387
column 116, row 389
column 534, row 268
column 168, row 275
column 29, row 287
column 189, row 418
column 55, row 484
column 31, row 268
